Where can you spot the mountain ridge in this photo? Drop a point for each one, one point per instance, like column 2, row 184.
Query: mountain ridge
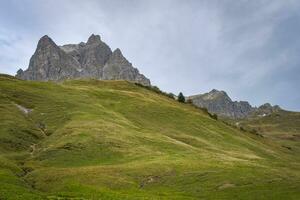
column 83, row 60
column 220, row 103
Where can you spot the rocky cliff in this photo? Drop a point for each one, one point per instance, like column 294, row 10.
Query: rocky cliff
column 220, row 103
column 93, row 59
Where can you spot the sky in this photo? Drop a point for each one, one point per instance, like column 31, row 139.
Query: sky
column 250, row 49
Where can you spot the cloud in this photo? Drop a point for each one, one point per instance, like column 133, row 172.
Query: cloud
column 248, row 48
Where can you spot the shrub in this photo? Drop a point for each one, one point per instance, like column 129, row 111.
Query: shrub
column 214, row 116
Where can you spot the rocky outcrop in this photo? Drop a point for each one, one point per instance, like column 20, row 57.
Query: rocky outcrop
column 267, row 109
column 118, row 67
column 93, row 59
column 220, row 103
column 92, row 56
column 49, row 62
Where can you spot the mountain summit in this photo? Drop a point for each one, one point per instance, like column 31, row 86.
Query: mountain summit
column 93, row 59
column 220, row 103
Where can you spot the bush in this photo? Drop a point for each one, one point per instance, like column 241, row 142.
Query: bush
column 214, row 116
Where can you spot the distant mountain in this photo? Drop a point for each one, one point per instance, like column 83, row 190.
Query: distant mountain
column 266, row 109
column 220, row 103
column 93, row 59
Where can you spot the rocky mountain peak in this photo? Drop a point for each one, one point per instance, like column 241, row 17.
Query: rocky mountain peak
column 94, row 39
column 45, row 38
column 117, row 52
column 266, row 106
column 267, row 109
column 49, row 62
column 118, row 67
column 220, row 103
column 93, row 59
column 117, row 56
column 45, row 42
column 214, row 91
column 216, row 94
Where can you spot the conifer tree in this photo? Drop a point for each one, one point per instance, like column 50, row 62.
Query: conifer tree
column 181, row 98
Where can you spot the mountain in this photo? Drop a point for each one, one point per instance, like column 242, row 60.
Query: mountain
column 93, row 59
column 266, row 109
column 93, row 139
column 220, row 103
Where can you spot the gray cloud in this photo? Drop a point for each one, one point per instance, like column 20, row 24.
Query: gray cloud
column 248, row 48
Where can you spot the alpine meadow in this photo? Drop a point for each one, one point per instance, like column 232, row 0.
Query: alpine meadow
column 149, row 100
column 95, row 139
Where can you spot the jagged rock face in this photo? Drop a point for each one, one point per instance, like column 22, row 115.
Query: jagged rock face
column 266, row 109
column 92, row 59
column 49, row 62
column 118, row 67
column 220, row 103
column 91, row 55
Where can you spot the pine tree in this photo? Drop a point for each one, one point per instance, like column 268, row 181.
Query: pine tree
column 181, row 98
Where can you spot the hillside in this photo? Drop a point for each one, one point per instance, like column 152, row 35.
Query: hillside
column 281, row 126
column 90, row 139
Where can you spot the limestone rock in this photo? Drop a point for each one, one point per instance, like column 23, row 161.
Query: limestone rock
column 93, row 59
column 220, row 103
column 118, row 67
column 267, row 109
column 49, row 62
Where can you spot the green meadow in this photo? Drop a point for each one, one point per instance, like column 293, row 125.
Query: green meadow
column 282, row 127
column 90, row 139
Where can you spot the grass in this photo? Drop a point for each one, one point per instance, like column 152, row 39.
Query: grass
column 90, row 139
column 282, row 127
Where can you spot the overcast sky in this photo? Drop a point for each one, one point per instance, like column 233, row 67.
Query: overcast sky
column 249, row 48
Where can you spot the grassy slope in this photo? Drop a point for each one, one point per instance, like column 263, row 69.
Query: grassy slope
column 115, row 140
column 282, row 127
